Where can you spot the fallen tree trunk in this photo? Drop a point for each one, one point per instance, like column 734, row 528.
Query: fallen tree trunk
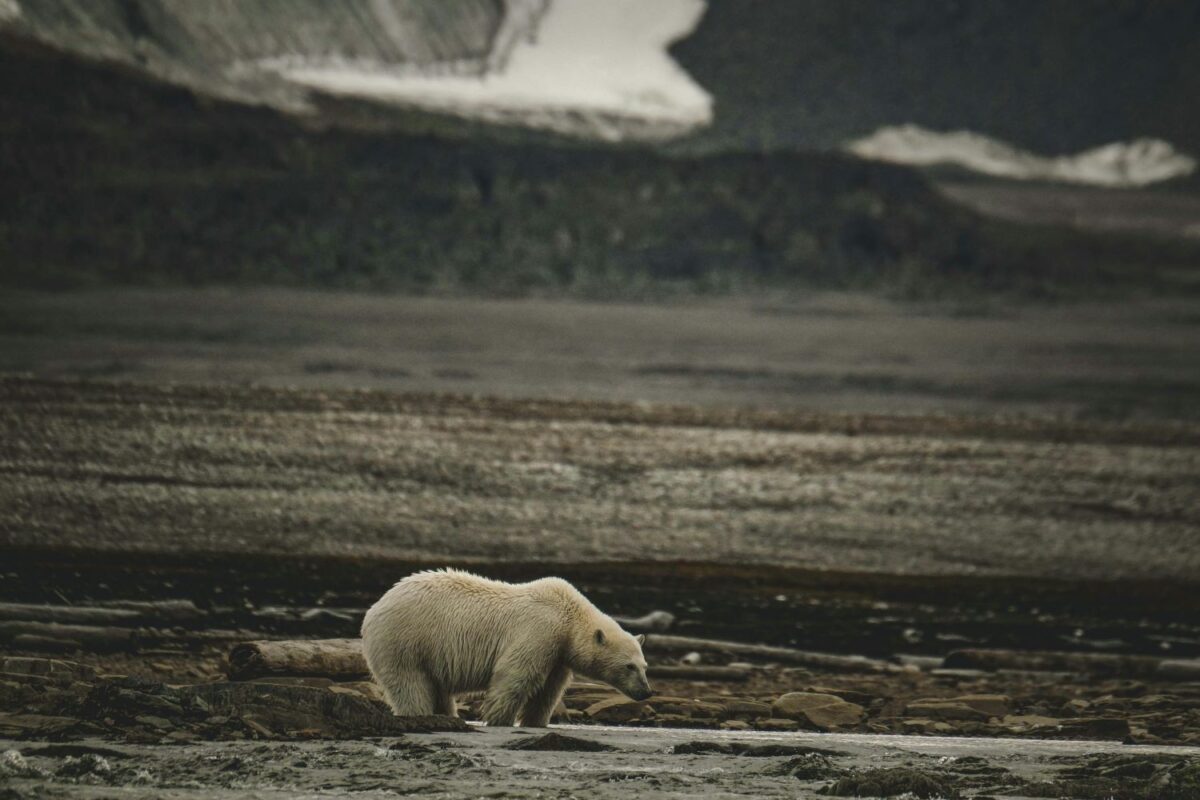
column 1108, row 664
column 159, row 610
column 80, row 615
column 128, row 613
column 690, row 673
column 664, row 643
column 69, row 637
column 654, row 622
column 340, row 659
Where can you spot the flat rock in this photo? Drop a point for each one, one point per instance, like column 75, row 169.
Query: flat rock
column 994, row 705
column 850, row 695
column 38, row 726
column 681, row 721
column 1025, row 723
column 745, row 709
column 823, row 711
column 361, row 688
column 1096, row 727
column 295, row 708
column 891, row 783
column 619, row 709
column 581, row 700
column 1076, row 706
column 557, row 742
column 777, row 724
column 51, row 668
column 944, row 710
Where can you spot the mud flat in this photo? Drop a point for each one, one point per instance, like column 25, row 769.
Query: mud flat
column 1130, row 359
column 234, row 470
column 609, row 762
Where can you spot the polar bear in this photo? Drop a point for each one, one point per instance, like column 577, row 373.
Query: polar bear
column 440, row 633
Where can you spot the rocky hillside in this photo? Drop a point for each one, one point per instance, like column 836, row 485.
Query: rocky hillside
column 110, row 177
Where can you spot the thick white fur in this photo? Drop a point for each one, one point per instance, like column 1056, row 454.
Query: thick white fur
column 441, row 633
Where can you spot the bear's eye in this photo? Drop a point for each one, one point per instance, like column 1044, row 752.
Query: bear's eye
column 630, row 666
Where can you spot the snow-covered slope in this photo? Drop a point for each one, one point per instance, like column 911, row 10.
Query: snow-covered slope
column 596, row 68
column 1120, row 164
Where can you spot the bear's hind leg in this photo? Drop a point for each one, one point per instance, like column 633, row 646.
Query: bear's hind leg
column 538, row 710
column 410, row 693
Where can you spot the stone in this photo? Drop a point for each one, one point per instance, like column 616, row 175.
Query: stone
column 51, row 668
column 14, row 765
column 897, row 781
column 1096, row 727
column 1026, row 723
column 745, row 709
column 581, row 700
column 619, row 709
column 343, row 714
column 559, row 743
column 153, row 721
column 994, row 705
column 823, row 711
column 86, row 764
column 1076, row 706
column 362, row 688
column 917, row 725
column 777, row 724
column 678, row 721
column 850, row 695
column 735, row 725
column 35, row 726
column 944, row 710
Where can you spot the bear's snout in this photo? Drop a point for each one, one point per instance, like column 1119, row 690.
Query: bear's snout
column 641, row 692
column 638, row 688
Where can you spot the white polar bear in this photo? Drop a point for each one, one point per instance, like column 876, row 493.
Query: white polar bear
column 437, row 634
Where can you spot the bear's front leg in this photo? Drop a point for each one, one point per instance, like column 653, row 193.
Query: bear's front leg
column 518, row 678
column 537, row 712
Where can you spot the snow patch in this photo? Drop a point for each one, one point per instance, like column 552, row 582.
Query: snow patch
column 9, row 9
column 592, row 67
column 1120, row 164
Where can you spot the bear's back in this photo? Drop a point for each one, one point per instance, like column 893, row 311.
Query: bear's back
column 455, row 624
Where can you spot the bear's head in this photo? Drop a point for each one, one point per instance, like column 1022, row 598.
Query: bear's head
column 609, row 654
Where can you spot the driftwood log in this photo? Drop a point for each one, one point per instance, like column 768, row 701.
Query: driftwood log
column 1108, row 664
column 124, row 613
column 342, row 659
column 58, row 637
column 654, row 622
column 657, row 643
column 684, row 672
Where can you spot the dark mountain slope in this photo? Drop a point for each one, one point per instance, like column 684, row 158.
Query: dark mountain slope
column 1051, row 75
column 109, row 177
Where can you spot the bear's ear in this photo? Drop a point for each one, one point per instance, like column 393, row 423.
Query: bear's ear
column 641, row 638
column 599, row 636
